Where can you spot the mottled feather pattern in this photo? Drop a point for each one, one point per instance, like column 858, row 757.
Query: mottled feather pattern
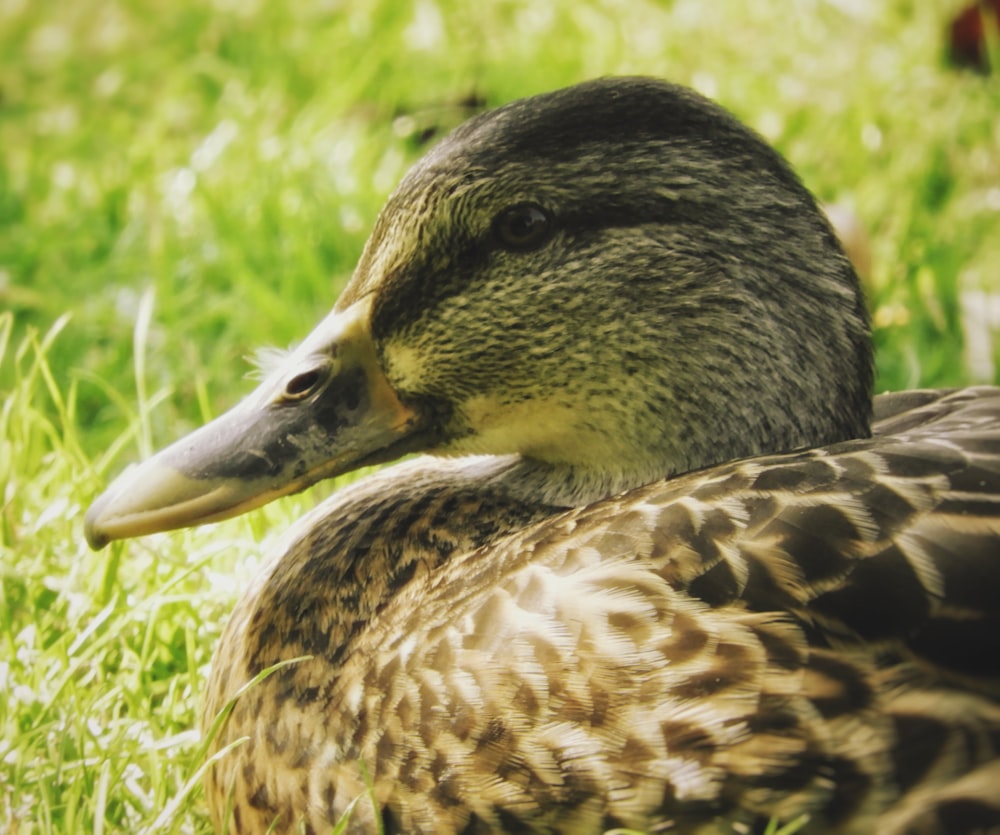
column 697, row 656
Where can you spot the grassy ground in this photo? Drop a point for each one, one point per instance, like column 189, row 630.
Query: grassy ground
column 181, row 182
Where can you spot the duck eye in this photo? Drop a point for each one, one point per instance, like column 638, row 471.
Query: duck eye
column 522, row 227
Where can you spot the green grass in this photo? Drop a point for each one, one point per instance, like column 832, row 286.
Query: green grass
column 183, row 182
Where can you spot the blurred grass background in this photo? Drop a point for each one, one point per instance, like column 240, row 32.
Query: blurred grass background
column 182, row 182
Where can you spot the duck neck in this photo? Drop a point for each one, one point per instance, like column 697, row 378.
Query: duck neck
column 565, row 485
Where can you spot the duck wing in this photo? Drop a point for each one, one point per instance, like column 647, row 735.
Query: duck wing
column 890, row 540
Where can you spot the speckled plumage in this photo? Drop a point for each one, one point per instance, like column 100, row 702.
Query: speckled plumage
column 632, row 606
column 499, row 666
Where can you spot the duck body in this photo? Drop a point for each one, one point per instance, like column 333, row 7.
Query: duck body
column 662, row 572
column 488, row 664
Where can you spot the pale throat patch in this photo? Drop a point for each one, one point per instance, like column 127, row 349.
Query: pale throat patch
column 545, row 430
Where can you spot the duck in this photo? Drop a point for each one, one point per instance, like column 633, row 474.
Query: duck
column 650, row 557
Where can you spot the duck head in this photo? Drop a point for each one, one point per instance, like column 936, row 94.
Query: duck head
column 616, row 282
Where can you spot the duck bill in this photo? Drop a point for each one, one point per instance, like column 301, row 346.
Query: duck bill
column 327, row 410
